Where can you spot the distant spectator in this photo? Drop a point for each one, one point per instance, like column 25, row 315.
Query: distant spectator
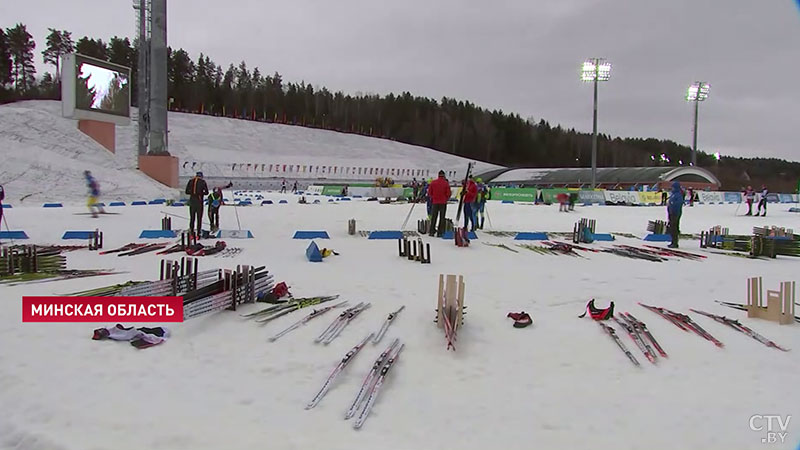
column 439, row 192
column 674, row 210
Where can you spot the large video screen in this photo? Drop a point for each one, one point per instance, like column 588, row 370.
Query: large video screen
column 101, row 89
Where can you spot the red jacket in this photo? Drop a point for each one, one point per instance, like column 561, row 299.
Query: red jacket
column 439, row 191
column 471, row 192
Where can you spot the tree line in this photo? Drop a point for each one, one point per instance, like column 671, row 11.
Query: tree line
column 453, row 126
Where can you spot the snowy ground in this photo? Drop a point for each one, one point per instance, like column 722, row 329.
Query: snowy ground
column 560, row 384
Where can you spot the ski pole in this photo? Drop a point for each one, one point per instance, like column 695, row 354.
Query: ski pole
column 405, row 222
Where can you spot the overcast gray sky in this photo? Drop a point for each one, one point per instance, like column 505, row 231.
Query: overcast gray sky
column 520, row 56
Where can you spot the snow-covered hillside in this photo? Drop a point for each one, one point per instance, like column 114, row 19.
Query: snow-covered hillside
column 45, row 154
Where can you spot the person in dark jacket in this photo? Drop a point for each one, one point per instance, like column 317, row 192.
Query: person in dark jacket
column 762, row 202
column 674, row 210
column 197, row 190
column 439, row 193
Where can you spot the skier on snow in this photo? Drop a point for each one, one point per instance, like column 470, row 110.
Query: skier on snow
column 94, row 194
column 749, row 196
column 2, row 197
column 196, row 189
column 763, row 201
column 674, row 210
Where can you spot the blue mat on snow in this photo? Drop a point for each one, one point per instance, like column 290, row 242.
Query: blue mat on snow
column 13, row 235
column 52, row 205
column 312, row 252
column 528, row 236
column 139, row 203
column 449, row 235
column 311, row 235
column 155, row 234
column 391, row 234
column 283, row 201
column 266, row 202
column 602, row 237
column 652, row 237
column 158, row 201
column 7, row 206
column 78, row 235
column 508, row 201
column 116, row 204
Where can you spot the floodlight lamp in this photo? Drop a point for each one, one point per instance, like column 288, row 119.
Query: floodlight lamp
column 596, row 69
column 697, row 92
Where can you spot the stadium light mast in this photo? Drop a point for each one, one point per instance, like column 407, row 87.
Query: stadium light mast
column 696, row 93
column 595, row 70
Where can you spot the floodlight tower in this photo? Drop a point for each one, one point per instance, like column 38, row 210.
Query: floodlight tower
column 595, row 70
column 696, row 93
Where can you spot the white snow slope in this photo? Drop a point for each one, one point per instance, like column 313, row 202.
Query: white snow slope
column 217, row 383
column 44, row 154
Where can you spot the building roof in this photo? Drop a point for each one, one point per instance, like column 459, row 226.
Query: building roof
column 605, row 175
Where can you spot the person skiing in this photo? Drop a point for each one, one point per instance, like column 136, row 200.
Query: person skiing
column 480, row 204
column 196, row 189
column 214, row 202
column 674, row 210
column 762, row 202
column 469, row 194
column 749, row 196
column 94, row 194
column 283, row 186
column 439, row 192
column 414, row 190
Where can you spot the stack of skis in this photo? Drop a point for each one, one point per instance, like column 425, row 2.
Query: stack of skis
column 764, row 242
column 33, row 264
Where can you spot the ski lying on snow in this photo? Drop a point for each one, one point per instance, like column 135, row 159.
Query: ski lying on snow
column 736, row 325
column 376, row 388
column 683, row 322
column 369, row 380
column 610, row 331
column 337, row 370
column 386, row 324
column 315, row 313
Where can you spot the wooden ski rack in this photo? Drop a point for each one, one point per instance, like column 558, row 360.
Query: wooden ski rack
column 450, row 307
column 780, row 304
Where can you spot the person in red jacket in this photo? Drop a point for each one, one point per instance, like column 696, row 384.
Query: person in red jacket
column 439, row 192
column 470, row 194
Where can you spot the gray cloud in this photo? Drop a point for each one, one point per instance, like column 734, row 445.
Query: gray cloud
column 514, row 55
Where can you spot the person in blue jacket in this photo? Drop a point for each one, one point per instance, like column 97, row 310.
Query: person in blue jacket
column 674, row 210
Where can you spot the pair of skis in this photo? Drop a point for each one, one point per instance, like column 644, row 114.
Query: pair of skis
column 637, row 338
column 371, row 387
column 613, row 334
column 683, row 322
column 339, row 324
column 314, row 314
column 337, row 370
column 738, row 326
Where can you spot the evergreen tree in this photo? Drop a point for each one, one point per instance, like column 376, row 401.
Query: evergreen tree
column 5, row 60
column 21, row 46
column 59, row 43
column 89, row 47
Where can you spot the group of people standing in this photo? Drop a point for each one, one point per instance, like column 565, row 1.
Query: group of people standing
column 197, row 190
column 474, row 194
column 750, row 198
